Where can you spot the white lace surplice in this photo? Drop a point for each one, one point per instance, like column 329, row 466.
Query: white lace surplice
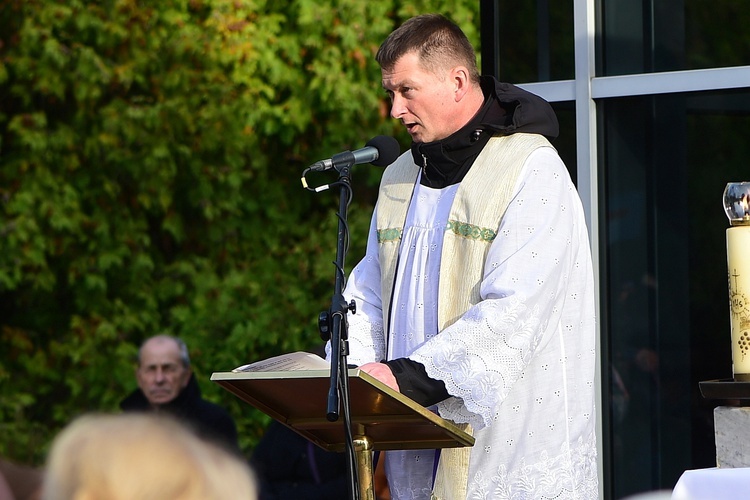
column 520, row 364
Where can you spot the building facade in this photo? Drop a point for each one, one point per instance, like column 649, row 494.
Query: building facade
column 653, row 98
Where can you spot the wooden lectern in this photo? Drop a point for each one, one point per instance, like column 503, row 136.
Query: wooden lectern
column 381, row 418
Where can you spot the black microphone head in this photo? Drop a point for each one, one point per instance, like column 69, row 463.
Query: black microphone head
column 388, row 150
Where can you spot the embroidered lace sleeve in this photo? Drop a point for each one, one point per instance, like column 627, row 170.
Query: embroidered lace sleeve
column 366, row 333
column 525, row 286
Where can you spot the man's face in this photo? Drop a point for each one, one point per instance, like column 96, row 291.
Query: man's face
column 423, row 101
column 161, row 374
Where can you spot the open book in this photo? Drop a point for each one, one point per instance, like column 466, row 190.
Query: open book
column 287, row 362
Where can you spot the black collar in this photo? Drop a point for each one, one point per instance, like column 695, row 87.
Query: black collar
column 445, row 162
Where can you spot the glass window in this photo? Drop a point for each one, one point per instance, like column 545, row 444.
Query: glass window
column 665, row 162
column 535, row 41
column 566, row 141
column 670, row 35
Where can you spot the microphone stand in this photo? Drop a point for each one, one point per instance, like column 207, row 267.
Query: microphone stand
column 333, row 326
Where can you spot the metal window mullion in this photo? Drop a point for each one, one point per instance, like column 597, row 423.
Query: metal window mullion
column 584, row 32
column 671, row 82
column 668, row 82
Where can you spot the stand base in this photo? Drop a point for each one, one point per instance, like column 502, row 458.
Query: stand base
column 727, row 388
column 732, row 434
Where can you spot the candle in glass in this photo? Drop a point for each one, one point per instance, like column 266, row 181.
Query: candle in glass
column 737, row 208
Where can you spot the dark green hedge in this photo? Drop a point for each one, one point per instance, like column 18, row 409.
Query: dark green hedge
column 150, row 155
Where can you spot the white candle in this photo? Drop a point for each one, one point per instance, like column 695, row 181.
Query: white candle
column 738, row 267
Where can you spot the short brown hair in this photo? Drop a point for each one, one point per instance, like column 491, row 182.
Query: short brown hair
column 438, row 42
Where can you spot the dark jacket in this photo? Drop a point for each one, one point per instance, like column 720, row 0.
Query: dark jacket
column 207, row 419
column 291, row 467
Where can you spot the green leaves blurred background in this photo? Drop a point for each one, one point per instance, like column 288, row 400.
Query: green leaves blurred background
column 150, row 155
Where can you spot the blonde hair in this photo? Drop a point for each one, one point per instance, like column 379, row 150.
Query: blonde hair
column 141, row 456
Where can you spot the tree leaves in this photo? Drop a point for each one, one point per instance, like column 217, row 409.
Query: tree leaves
column 149, row 182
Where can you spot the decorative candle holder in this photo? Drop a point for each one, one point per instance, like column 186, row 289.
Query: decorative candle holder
column 737, row 208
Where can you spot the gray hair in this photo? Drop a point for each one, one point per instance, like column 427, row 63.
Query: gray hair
column 184, row 355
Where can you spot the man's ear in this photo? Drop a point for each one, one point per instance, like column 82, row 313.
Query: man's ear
column 188, row 374
column 461, row 81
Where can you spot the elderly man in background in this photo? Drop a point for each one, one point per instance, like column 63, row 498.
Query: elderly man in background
column 166, row 384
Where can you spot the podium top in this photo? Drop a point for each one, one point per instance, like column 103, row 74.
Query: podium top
column 298, row 399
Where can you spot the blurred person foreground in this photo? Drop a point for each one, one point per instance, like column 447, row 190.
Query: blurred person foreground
column 139, row 456
column 19, row 481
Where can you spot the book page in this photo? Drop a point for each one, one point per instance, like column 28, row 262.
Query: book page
column 287, row 362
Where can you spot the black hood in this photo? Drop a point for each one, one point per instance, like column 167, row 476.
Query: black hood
column 507, row 109
column 524, row 111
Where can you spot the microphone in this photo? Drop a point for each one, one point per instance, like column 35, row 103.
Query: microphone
column 381, row 151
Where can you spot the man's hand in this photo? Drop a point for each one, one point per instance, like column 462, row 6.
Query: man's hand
column 382, row 372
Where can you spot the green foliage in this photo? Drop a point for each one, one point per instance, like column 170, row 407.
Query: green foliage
column 150, row 155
